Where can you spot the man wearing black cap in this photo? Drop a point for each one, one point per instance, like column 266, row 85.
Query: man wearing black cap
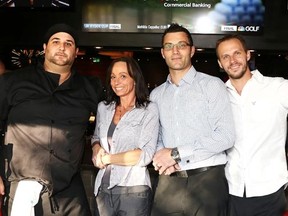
column 46, row 109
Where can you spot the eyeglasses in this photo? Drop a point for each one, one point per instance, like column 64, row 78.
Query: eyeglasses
column 180, row 46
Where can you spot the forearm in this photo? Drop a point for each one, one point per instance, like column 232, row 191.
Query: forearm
column 128, row 158
column 95, row 146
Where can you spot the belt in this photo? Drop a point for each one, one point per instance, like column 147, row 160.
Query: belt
column 187, row 173
column 124, row 189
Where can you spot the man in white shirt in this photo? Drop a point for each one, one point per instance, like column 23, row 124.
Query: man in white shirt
column 256, row 170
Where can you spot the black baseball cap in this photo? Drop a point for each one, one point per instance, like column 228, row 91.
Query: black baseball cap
column 61, row 27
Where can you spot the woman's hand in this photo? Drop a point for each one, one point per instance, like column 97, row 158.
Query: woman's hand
column 97, row 153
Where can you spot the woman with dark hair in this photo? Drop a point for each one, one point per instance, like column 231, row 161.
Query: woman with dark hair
column 124, row 142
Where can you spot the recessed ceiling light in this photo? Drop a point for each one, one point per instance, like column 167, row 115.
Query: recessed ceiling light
column 147, row 48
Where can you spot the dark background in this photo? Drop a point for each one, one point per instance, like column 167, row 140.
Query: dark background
column 23, row 29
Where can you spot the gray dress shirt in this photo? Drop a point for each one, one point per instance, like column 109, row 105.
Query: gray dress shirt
column 196, row 117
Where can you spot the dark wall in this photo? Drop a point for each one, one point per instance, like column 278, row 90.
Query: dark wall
column 25, row 28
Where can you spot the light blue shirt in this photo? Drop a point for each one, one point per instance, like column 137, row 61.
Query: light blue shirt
column 196, row 117
column 137, row 129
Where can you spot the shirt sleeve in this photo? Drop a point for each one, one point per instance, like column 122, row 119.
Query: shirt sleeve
column 160, row 144
column 222, row 132
column 95, row 136
column 149, row 135
column 283, row 93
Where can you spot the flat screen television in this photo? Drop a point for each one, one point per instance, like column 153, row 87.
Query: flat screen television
column 154, row 16
column 35, row 4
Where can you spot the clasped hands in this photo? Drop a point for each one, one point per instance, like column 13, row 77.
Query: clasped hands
column 163, row 162
column 99, row 157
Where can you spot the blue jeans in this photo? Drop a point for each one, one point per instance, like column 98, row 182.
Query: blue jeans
column 128, row 201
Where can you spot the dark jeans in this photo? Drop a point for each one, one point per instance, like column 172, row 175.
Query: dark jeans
column 269, row 205
column 202, row 194
column 124, row 201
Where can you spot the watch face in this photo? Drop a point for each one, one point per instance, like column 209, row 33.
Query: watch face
column 174, row 153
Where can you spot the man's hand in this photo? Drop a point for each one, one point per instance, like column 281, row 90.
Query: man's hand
column 172, row 169
column 163, row 162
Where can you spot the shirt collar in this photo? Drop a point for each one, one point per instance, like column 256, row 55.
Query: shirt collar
column 187, row 78
column 256, row 77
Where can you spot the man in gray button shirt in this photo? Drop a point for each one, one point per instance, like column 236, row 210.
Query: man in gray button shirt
column 196, row 130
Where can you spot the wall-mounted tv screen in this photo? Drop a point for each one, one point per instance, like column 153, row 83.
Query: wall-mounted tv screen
column 154, row 16
column 31, row 4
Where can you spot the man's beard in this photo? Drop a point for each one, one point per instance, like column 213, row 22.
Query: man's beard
column 238, row 75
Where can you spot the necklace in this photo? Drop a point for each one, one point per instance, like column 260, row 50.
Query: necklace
column 121, row 110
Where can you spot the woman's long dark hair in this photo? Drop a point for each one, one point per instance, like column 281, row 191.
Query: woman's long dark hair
column 134, row 70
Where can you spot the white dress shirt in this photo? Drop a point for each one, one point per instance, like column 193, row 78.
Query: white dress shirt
column 257, row 162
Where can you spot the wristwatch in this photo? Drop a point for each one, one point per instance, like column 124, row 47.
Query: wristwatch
column 175, row 155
